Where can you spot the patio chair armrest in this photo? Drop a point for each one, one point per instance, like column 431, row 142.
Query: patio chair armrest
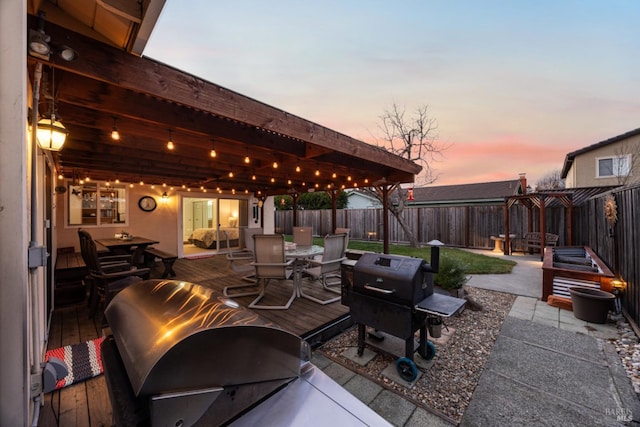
column 124, row 273
column 239, row 255
column 115, row 267
column 319, row 263
column 273, row 264
column 109, row 259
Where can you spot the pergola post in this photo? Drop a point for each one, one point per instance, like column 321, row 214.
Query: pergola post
column 294, row 198
column 385, row 219
column 507, row 240
column 542, row 226
column 334, row 209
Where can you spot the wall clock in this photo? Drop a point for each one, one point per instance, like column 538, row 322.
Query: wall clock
column 147, row 203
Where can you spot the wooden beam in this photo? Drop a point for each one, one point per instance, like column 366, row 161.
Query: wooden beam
column 158, row 80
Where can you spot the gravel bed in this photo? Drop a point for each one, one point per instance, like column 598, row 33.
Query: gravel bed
column 628, row 349
column 447, row 386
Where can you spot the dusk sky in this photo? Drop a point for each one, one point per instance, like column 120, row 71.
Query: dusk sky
column 513, row 85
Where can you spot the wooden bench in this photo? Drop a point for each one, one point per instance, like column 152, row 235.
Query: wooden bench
column 70, row 266
column 532, row 241
column 70, row 271
column 168, row 259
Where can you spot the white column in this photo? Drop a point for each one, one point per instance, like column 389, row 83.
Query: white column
column 15, row 406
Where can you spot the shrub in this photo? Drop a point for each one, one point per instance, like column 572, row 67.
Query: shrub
column 452, row 274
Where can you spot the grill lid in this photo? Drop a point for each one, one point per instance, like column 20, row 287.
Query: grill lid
column 403, row 279
column 175, row 336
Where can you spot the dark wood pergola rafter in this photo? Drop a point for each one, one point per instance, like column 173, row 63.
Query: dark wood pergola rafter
column 148, row 101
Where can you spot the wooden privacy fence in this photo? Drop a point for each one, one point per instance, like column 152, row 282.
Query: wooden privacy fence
column 459, row 226
column 617, row 246
column 472, row 227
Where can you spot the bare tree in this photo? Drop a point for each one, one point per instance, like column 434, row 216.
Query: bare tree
column 412, row 137
column 626, row 160
column 551, row 181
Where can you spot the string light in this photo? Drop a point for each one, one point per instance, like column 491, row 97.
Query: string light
column 115, row 135
column 170, row 144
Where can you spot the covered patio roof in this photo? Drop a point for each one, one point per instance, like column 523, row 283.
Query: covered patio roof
column 150, row 102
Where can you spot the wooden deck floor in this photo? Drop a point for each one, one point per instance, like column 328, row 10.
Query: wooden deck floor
column 87, row 403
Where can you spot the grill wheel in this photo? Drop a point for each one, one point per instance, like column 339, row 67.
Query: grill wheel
column 406, row 369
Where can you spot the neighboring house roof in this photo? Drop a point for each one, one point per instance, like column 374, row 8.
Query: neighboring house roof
column 568, row 161
column 483, row 192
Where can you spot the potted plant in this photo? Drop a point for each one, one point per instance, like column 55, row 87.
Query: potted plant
column 451, row 276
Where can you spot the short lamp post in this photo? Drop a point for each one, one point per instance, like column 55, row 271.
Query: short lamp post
column 618, row 286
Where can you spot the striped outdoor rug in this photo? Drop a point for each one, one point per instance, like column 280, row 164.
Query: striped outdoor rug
column 83, row 361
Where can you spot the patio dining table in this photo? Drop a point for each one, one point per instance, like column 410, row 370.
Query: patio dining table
column 125, row 246
column 300, row 255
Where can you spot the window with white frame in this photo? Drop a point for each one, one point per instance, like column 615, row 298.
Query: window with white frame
column 608, row 167
column 97, row 204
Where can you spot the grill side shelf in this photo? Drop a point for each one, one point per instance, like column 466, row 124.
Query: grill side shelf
column 440, row 305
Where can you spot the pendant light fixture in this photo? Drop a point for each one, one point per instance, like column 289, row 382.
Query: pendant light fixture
column 51, row 133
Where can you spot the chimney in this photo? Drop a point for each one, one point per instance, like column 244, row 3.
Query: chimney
column 523, row 182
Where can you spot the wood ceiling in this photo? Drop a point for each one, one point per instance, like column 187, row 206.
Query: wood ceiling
column 148, row 101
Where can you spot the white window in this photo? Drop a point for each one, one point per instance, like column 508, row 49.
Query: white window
column 607, row 167
column 97, row 204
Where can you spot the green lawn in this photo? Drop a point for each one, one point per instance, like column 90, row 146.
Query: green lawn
column 474, row 263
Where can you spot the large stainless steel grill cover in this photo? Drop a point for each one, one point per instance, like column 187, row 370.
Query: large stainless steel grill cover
column 184, row 355
column 394, row 278
column 158, row 325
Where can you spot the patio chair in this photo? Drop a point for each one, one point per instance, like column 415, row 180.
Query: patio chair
column 107, row 275
column 346, row 232
column 270, row 264
column 241, row 262
column 302, row 236
column 328, row 266
column 247, row 234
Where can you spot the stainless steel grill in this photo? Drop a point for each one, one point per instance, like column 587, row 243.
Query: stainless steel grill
column 181, row 354
column 394, row 294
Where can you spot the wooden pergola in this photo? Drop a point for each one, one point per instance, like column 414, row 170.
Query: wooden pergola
column 538, row 201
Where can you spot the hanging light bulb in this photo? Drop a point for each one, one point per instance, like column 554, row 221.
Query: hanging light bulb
column 213, row 153
column 298, row 168
column 333, row 175
column 115, row 135
column 275, row 164
column 247, row 159
column 317, row 172
column 170, row 144
column 253, row 177
column 230, row 174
